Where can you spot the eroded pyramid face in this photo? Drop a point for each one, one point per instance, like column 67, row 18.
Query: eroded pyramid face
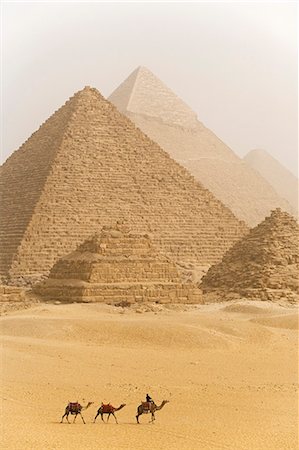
column 264, row 264
column 89, row 166
column 117, row 266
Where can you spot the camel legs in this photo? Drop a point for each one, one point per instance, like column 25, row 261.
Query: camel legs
column 114, row 417
column 153, row 417
column 96, row 416
column 137, row 417
column 67, row 417
column 76, row 417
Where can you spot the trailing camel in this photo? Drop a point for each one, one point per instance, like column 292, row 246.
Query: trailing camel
column 74, row 409
column 108, row 409
column 149, row 407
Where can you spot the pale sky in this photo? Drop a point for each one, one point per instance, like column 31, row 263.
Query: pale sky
column 234, row 63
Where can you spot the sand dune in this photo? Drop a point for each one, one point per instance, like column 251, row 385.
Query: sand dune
column 229, row 372
column 286, row 321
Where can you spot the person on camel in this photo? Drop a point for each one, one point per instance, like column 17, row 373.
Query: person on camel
column 149, row 399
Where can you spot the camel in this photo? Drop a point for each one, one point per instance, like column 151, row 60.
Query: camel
column 75, row 409
column 149, row 407
column 108, row 409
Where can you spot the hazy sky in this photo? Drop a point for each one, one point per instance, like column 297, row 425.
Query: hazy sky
column 234, row 63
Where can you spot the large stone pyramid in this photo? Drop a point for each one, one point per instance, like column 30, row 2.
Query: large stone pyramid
column 280, row 178
column 262, row 265
column 143, row 93
column 117, row 266
column 166, row 119
column 88, row 166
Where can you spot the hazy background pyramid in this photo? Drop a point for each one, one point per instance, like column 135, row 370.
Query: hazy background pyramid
column 280, row 178
column 160, row 114
column 143, row 93
column 263, row 265
column 88, row 166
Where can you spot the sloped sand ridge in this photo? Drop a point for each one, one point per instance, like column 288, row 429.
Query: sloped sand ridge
column 286, row 321
column 231, row 382
column 244, row 309
column 249, row 307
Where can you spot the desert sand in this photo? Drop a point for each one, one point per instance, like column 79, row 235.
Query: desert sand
column 229, row 371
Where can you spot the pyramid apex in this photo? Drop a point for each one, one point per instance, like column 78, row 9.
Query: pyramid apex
column 280, row 215
column 87, row 91
column 256, row 151
column 261, row 265
column 143, row 68
column 144, row 93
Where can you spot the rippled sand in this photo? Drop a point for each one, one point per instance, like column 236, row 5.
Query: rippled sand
column 228, row 370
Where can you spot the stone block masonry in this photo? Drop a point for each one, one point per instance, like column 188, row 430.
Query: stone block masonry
column 263, row 265
column 88, row 166
column 114, row 267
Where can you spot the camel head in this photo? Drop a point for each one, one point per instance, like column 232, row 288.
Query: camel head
column 121, row 406
column 163, row 403
column 88, row 405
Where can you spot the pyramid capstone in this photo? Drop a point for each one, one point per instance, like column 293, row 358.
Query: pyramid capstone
column 143, row 93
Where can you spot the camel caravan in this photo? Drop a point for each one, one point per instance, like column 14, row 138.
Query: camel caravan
column 147, row 407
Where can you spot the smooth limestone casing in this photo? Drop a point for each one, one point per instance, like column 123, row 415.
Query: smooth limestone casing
column 166, row 119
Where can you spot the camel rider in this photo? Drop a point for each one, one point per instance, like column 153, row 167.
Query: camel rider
column 149, row 399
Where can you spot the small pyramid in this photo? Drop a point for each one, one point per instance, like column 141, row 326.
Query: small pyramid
column 280, row 178
column 117, row 266
column 143, row 93
column 263, row 265
column 166, row 119
column 89, row 165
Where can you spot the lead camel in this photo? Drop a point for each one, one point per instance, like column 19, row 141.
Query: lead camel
column 149, row 407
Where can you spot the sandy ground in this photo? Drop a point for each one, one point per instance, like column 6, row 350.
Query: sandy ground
column 228, row 370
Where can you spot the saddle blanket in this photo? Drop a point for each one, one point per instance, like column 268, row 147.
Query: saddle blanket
column 107, row 408
column 74, row 406
column 146, row 406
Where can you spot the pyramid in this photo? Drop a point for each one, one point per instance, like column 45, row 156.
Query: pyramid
column 280, row 178
column 166, row 119
column 117, row 266
column 263, row 265
column 143, row 93
column 88, row 166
